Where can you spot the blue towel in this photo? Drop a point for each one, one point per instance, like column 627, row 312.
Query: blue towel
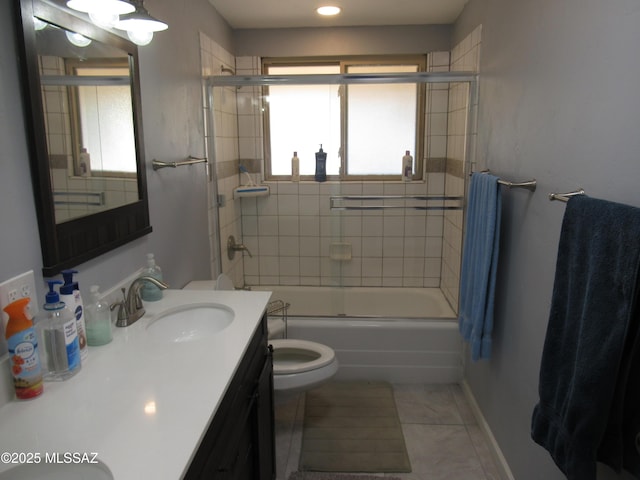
column 588, row 408
column 479, row 263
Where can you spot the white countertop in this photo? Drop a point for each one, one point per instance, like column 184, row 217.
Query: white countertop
column 142, row 405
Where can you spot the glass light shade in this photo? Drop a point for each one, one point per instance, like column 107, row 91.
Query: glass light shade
column 132, row 24
column 328, row 10
column 39, row 24
column 77, row 39
column 116, row 7
column 140, row 38
column 104, row 19
column 140, row 21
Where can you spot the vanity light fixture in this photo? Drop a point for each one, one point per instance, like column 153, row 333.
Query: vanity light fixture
column 328, row 10
column 140, row 25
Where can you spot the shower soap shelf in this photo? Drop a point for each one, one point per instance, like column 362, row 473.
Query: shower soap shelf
column 251, row 191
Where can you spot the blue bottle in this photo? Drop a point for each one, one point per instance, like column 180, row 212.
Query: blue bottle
column 321, row 166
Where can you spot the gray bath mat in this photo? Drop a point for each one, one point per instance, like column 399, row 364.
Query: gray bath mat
column 334, row 476
column 352, row 427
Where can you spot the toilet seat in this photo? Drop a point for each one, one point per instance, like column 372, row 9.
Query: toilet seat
column 299, row 365
column 308, row 356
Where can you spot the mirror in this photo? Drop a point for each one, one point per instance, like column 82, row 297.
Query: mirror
column 82, row 100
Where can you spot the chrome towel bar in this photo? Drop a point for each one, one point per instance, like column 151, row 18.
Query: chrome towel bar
column 157, row 164
column 529, row 184
column 334, row 205
column 564, row 197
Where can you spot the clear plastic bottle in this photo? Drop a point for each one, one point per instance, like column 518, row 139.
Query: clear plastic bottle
column 98, row 322
column 58, row 338
column 149, row 292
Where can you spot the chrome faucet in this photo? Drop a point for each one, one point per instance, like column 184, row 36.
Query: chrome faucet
column 131, row 307
column 233, row 247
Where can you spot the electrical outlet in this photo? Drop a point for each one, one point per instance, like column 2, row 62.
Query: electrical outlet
column 21, row 286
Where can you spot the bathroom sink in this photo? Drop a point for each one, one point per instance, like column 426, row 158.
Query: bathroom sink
column 189, row 323
column 58, row 471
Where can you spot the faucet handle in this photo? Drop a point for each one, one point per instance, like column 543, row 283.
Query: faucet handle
column 123, row 314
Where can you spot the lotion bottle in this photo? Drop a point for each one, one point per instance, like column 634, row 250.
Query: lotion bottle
column 70, row 295
column 58, row 336
column 24, row 357
column 295, row 168
column 321, row 165
column 407, row 167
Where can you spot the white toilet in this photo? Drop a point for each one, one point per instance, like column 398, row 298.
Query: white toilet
column 298, row 365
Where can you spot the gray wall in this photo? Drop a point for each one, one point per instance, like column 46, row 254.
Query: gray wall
column 172, row 118
column 559, row 102
column 291, row 42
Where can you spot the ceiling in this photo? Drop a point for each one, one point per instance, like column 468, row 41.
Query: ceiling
column 301, row 13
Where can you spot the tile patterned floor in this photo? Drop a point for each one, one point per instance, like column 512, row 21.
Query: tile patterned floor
column 442, row 437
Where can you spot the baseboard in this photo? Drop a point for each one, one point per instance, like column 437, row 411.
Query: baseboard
column 498, row 457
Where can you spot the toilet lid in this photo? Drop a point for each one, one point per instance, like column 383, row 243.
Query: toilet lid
column 302, row 356
column 224, row 282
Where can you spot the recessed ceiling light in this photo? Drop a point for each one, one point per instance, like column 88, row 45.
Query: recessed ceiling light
column 328, row 10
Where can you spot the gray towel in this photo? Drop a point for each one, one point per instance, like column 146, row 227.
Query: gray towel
column 590, row 343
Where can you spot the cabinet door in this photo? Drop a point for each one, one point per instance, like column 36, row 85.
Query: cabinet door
column 265, row 429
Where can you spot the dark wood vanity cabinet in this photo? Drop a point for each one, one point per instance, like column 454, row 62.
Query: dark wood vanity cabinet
column 240, row 442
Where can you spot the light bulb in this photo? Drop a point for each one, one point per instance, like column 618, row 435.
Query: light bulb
column 140, row 38
column 328, row 10
column 77, row 39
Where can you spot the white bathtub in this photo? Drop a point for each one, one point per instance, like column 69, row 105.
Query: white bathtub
column 406, row 335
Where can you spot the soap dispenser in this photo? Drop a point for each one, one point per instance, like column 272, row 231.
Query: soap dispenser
column 58, row 336
column 149, row 292
column 70, row 295
column 321, row 165
column 99, row 331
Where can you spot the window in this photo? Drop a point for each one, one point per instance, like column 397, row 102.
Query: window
column 364, row 129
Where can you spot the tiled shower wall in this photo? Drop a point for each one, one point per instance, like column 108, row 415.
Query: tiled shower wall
column 460, row 146
column 297, row 239
column 292, row 233
column 224, row 162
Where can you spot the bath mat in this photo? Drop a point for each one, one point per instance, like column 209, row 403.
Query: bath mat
column 335, row 476
column 352, row 427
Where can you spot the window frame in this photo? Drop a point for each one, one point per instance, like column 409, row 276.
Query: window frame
column 344, row 63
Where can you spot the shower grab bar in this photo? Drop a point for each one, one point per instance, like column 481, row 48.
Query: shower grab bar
column 564, row 197
column 529, row 184
column 157, row 164
column 334, row 199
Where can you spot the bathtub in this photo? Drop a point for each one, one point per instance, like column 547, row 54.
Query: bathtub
column 404, row 335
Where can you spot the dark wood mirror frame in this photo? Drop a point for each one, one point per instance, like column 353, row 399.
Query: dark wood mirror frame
column 70, row 243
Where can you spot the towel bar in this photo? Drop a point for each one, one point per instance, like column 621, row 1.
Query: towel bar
column 564, row 197
column 529, row 184
column 157, row 164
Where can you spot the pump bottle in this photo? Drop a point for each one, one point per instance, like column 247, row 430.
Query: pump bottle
column 149, row 292
column 70, row 295
column 321, row 165
column 58, row 335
